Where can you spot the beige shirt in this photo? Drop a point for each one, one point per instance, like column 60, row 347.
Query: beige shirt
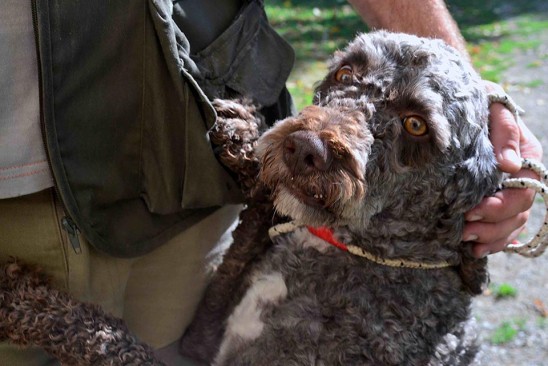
column 23, row 165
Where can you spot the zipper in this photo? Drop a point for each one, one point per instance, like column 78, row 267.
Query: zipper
column 72, row 230
column 67, row 223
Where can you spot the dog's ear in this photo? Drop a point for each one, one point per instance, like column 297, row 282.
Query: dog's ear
column 473, row 273
column 476, row 176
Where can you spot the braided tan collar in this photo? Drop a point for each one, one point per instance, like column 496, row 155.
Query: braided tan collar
column 326, row 234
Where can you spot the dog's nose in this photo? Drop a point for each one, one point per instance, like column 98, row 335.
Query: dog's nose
column 304, row 152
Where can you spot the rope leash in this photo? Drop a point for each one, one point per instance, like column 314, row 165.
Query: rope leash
column 533, row 248
column 537, row 245
column 326, row 234
column 507, row 102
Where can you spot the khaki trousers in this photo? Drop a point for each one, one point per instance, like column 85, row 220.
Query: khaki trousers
column 155, row 294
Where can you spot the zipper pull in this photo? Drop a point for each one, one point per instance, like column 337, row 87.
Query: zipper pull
column 70, row 227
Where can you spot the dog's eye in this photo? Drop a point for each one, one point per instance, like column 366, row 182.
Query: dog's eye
column 344, row 74
column 415, row 126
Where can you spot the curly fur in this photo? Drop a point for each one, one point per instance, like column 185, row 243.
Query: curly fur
column 34, row 313
column 393, row 194
column 301, row 301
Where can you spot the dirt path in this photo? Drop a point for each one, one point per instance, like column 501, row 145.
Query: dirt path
column 529, row 276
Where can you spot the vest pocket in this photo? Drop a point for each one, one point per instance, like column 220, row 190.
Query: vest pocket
column 178, row 168
column 249, row 57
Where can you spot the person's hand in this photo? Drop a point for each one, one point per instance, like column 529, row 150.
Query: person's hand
column 498, row 220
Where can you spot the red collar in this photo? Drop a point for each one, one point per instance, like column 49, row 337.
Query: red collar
column 326, row 234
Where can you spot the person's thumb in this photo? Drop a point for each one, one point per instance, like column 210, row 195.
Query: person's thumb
column 505, row 137
column 504, row 134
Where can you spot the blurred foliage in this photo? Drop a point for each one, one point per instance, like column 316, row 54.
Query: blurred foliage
column 503, row 290
column 493, row 29
column 315, row 30
column 507, row 331
column 469, row 13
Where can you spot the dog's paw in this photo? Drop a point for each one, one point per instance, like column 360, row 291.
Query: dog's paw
column 21, row 286
column 235, row 134
column 237, row 126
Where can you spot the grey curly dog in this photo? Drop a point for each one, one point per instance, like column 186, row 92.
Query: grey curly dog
column 375, row 179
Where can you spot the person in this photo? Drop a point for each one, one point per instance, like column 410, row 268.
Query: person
column 107, row 179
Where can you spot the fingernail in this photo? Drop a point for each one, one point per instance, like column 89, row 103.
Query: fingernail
column 511, row 155
column 474, row 217
column 471, row 237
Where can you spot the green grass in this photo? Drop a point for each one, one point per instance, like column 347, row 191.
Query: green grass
column 315, row 31
column 503, row 290
column 534, row 83
column 470, row 13
column 492, row 45
column 494, row 30
column 507, row 331
column 534, row 64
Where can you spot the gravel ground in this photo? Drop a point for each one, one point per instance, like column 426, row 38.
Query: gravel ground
column 529, row 276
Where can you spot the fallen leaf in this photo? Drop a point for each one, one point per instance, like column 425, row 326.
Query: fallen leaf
column 540, row 308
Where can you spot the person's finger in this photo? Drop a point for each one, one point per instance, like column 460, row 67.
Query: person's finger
column 480, row 250
column 505, row 137
column 504, row 132
column 486, row 233
column 504, row 204
column 530, row 146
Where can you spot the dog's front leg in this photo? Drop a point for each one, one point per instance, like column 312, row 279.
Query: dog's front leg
column 234, row 135
column 32, row 313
